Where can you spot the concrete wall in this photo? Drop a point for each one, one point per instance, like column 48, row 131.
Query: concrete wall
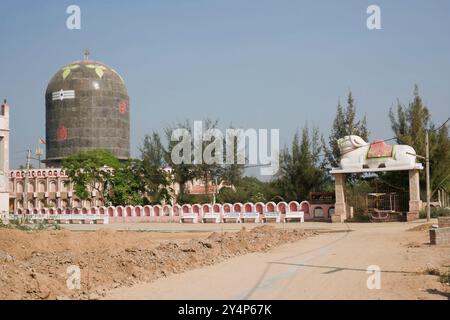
column 444, row 222
column 440, row 236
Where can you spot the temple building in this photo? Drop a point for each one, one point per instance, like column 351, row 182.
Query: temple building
column 45, row 188
column 52, row 188
column 87, row 107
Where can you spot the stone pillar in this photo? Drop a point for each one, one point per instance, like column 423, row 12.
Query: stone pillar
column 415, row 204
column 340, row 208
column 445, row 199
column 4, row 161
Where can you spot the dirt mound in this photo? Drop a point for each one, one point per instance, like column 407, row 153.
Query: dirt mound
column 33, row 265
column 421, row 227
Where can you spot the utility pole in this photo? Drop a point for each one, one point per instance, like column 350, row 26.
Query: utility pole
column 427, row 172
column 427, row 166
column 215, row 191
column 25, row 187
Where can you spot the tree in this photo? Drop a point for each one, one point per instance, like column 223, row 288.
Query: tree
column 91, row 170
column 301, row 168
column 440, row 159
column 181, row 172
column 152, row 151
column 127, row 184
column 131, row 182
column 344, row 124
column 231, row 173
column 410, row 125
column 208, row 171
column 249, row 189
column 152, row 171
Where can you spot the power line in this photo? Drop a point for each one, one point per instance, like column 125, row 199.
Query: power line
column 442, row 125
column 20, row 151
column 415, row 140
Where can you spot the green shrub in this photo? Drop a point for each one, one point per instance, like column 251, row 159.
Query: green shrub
column 359, row 218
column 445, row 277
column 435, row 212
column 194, row 198
column 19, row 224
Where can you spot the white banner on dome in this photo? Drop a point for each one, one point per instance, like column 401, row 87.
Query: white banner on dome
column 63, row 94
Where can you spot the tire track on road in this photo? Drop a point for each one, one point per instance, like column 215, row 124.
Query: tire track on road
column 263, row 283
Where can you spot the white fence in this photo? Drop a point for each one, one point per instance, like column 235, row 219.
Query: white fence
column 62, row 218
column 216, row 213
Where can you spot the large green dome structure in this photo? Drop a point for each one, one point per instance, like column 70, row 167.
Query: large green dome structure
column 87, row 107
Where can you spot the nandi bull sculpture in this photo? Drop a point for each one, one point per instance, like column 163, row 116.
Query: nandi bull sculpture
column 358, row 154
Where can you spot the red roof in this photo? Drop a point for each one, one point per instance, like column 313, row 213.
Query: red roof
column 201, row 189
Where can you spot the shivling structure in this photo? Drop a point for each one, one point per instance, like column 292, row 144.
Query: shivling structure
column 87, row 107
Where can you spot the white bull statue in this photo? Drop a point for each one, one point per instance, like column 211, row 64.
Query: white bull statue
column 358, row 154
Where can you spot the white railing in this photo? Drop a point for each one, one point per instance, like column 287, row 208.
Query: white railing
column 62, row 218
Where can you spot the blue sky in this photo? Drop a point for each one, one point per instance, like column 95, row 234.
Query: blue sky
column 253, row 64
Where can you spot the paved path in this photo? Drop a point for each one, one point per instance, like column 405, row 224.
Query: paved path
column 328, row 266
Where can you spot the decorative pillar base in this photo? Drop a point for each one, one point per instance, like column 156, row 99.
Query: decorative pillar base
column 415, row 204
column 414, row 209
column 340, row 208
column 340, row 213
column 411, row 216
column 4, row 205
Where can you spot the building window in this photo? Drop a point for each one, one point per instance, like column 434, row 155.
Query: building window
column 19, row 187
column 65, row 186
column 318, row 212
column 41, row 186
column 2, row 149
column 52, row 186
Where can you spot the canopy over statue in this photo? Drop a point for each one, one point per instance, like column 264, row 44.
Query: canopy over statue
column 359, row 156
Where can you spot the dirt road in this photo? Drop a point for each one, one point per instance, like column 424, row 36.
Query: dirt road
column 328, row 266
